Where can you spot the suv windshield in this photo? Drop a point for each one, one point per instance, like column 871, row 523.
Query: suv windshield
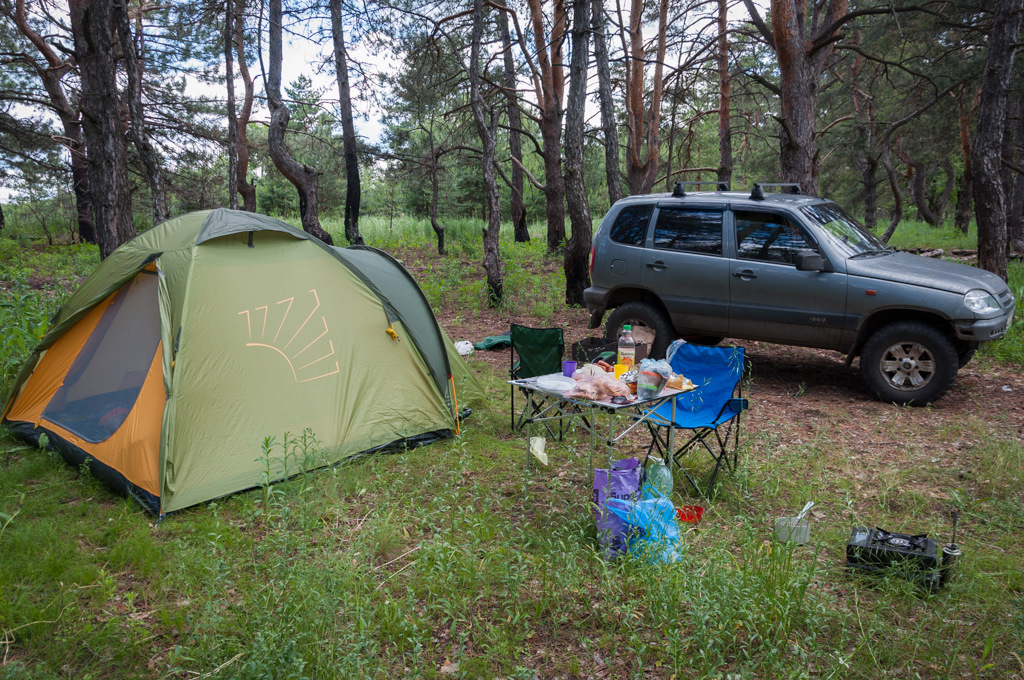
column 843, row 230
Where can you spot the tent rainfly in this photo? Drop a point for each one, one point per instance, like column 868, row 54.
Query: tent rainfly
column 187, row 346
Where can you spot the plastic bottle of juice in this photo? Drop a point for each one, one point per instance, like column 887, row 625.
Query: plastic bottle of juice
column 627, row 348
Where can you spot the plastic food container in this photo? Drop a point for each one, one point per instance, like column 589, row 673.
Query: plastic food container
column 690, row 513
column 793, row 529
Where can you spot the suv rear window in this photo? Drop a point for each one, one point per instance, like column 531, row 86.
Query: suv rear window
column 695, row 231
column 631, row 225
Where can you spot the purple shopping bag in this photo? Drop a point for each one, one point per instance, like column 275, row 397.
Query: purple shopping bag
column 622, row 482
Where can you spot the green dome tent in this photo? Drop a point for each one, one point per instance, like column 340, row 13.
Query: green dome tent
column 200, row 337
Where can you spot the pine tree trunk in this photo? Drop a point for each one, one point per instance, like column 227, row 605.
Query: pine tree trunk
column 353, row 191
column 69, row 119
column 303, row 177
column 917, row 191
column 724, row 92
column 93, row 27
column 965, row 199
column 800, row 68
column 577, row 253
column 990, row 196
column 229, row 78
column 609, row 127
column 897, row 196
column 520, row 232
column 434, row 190
column 868, row 170
column 245, row 187
column 492, row 261
column 552, row 89
column 643, row 140
column 1015, row 217
column 137, row 133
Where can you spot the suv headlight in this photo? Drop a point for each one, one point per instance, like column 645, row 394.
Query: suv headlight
column 981, row 302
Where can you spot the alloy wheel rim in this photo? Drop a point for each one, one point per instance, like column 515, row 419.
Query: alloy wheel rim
column 907, row 366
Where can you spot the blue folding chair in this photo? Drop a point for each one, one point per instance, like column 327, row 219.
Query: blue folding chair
column 711, row 412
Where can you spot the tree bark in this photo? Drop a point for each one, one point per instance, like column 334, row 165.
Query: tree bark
column 897, row 195
column 990, row 202
column 94, row 30
column 609, row 127
column 644, row 125
column 491, row 261
column 802, row 52
column 353, row 193
column 131, row 50
column 302, row 176
column 229, row 78
column 965, row 199
column 1015, row 211
column 864, row 156
column 246, row 188
column 724, row 92
column 917, row 193
column 520, row 232
column 68, row 115
column 434, row 189
column 552, row 87
column 577, row 252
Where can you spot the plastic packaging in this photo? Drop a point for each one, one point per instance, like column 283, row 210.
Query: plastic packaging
column 627, row 348
column 659, row 476
column 652, row 528
column 652, row 378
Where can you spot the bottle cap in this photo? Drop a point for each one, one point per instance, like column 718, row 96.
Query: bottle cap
column 627, row 327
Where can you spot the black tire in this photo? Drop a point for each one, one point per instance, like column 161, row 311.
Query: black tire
column 705, row 340
column 909, row 363
column 967, row 353
column 647, row 320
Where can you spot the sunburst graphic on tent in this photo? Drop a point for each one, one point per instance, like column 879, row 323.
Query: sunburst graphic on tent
column 301, row 340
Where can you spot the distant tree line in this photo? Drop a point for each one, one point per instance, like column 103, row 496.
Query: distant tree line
column 514, row 111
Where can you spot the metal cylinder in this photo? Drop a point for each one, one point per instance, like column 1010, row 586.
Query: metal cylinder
column 950, row 554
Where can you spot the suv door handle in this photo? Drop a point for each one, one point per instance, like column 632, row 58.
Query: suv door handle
column 657, row 265
column 745, row 274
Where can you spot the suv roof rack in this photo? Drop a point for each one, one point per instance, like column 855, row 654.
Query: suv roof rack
column 680, row 188
column 757, row 193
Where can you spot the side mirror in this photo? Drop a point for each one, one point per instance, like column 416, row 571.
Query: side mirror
column 809, row 261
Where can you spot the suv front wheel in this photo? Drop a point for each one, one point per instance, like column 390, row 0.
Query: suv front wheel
column 909, row 363
column 650, row 325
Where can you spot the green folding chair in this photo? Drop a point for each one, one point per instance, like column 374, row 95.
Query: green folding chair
column 534, row 352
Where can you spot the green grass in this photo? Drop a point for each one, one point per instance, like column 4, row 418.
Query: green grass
column 410, row 564
column 911, row 235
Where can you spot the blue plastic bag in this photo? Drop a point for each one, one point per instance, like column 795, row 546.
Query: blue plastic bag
column 653, row 534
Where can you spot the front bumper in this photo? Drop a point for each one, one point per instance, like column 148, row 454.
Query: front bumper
column 984, row 330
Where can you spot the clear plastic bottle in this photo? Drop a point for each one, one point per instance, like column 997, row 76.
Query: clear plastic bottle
column 627, row 348
column 659, row 476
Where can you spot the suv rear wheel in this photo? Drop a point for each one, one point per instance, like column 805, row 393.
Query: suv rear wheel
column 650, row 325
column 909, row 363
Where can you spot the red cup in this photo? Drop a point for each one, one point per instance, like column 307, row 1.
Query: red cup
column 690, row 513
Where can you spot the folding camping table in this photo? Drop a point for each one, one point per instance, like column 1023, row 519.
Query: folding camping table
column 552, row 407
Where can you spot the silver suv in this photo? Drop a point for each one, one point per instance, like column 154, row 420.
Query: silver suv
column 795, row 270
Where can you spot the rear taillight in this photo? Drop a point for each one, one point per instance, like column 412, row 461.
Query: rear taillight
column 593, row 249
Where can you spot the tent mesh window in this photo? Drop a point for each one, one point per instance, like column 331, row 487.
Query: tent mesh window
column 106, row 377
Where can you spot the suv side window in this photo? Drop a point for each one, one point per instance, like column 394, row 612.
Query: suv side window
column 695, row 231
column 769, row 237
column 631, row 223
